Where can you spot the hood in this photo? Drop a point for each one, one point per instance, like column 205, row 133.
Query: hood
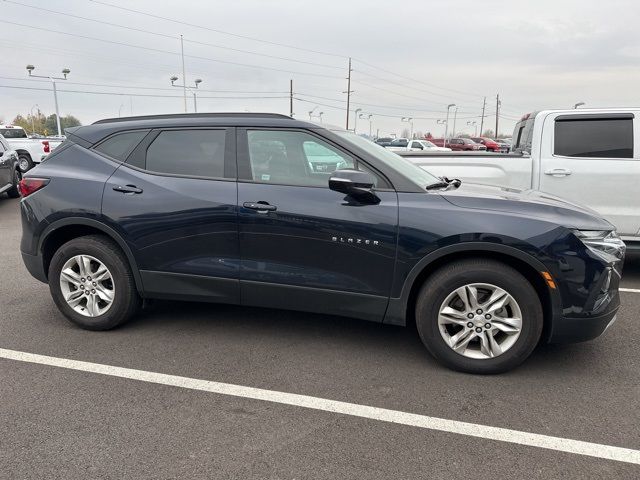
column 527, row 203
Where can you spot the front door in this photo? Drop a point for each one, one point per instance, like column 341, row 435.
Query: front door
column 590, row 159
column 304, row 246
column 174, row 201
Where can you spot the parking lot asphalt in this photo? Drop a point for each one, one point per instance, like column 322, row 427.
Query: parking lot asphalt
column 60, row 423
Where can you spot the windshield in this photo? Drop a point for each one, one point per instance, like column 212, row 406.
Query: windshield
column 13, row 133
column 427, row 143
column 393, row 161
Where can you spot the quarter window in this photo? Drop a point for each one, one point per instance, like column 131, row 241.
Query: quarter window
column 197, row 153
column 121, row 145
column 293, row 158
column 594, row 137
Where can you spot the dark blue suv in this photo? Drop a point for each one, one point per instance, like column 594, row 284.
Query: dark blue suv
column 265, row 210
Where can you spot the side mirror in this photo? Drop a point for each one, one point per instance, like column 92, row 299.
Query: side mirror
column 355, row 183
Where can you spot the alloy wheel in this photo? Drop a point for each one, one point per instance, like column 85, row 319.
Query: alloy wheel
column 480, row 321
column 87, row 285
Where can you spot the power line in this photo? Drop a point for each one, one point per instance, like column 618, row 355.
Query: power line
column 168, row 52
column 172, row 37
column 222, row 32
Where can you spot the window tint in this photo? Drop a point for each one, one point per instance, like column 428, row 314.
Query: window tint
column 120, row 146
column 198, row 153
column 594, row 137
column 13, row 133
column 293, row 158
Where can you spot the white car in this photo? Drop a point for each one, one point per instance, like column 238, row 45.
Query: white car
column 30, row 150
column 406, row 145
column 588, row 156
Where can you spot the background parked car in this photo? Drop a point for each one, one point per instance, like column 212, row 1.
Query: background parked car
column 459, row 144
column 384, row 141
column 416, row 146
column 9, row 172
column 30, row 150
column 505, row 146
column 492, row 145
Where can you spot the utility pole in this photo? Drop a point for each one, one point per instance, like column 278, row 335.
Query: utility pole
column 497, row 113
column 348, row 92
column 184, row 76
column 291, row 98
column 484, row 104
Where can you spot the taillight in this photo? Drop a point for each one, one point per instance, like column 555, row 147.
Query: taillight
column 45, row 144
column 29, row 185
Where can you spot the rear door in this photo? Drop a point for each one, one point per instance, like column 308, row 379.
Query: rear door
column 174, row 201
column 593, row 160
column 6, row 169
column 304, row 246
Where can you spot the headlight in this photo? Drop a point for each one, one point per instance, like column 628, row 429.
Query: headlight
column 605, row 244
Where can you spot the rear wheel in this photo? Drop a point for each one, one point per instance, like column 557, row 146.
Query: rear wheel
column 92, row 284
column 24, row 162
column 13, row 192
column 479, row 316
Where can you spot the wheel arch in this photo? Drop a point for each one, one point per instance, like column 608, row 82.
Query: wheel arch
column 61, row 231
column 402, row 310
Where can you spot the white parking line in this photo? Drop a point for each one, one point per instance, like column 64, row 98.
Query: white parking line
column 630, row 290
column 382, row 414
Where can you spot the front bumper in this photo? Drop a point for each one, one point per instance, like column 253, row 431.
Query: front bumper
column 571, row 330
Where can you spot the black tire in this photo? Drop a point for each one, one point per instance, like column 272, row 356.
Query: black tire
column 452, row 276
column 13, row 192
column 24, row 162
column 126, row 300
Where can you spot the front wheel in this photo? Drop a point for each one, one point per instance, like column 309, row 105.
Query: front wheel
column 479, row 316
column 92, row 284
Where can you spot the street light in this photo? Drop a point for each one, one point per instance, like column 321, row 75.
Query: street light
column 446, row 124
column 65, row 72
column 475, row 128
column 33, row 128
column 355, row 119
column 362, row 115
column 409, row 120
column 192, row 89
column 579, row 104
column 320, row 116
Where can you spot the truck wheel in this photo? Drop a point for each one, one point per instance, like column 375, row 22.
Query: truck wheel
column 479, row 316
column 13, row 192
column 92, row 284
column 24, row 162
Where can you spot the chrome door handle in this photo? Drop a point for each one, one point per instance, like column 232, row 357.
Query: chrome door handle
column 260, row 207
column 557, row 172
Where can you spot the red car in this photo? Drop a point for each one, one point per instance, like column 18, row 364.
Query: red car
column 492, row 145
column 459, row 144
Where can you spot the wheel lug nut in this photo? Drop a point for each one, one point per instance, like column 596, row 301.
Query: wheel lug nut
column 470, row 324
column 94, row 284
column 478, row 329
column 469, row 315
column 86, row 292
column 487, row 316
column 479, row 312
column 487, row 325
column 82, row 279
column 81, row 287
column 88, row 278
column 93, row 291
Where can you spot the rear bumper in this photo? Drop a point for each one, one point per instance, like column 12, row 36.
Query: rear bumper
column 34, row 266
column 571, row 330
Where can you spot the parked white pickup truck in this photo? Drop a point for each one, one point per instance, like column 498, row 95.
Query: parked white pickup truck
column 416, row 145
column 588, row 156
column 30, row 150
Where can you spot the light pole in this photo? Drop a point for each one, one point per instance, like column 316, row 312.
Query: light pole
column 409, row 120
column 446, row 123
column 33, row 128
column 192, row 90
column 120, row 110
column 65, row 72
column 455, row 116
column 579, row 104
column 368, row 118
column 475, row 128
column 320, row 116
column 355, row 119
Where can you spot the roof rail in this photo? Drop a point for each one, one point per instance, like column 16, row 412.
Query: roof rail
column 192, row 115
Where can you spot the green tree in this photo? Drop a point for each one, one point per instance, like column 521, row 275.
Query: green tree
column 51, row 127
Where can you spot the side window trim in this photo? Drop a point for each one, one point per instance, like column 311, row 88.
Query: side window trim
column 137, row 158
column 244, row 173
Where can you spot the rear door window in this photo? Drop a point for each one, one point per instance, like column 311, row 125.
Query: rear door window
column 194, row 153
column 594, row 137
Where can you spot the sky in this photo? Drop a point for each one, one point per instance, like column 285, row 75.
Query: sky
column 409, row 60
